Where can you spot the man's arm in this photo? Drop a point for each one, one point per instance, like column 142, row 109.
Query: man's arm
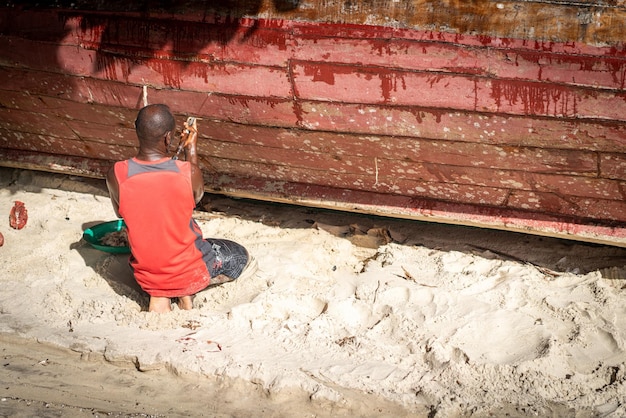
column 197, row 183
column 114, row 190
column 191, row 155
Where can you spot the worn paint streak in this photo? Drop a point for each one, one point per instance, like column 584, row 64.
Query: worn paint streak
column 535, row 98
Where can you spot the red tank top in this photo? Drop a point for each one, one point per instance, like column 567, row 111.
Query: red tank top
column 156, row 202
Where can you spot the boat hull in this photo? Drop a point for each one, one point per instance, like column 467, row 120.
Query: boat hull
column 456, row 115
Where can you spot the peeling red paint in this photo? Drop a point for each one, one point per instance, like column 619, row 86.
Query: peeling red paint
column 535, row 98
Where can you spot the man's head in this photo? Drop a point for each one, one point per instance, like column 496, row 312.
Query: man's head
column 153, row 123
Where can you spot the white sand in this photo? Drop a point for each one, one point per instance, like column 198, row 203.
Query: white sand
column 443, row 319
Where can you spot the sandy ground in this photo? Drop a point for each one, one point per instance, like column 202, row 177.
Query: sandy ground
column 348, row 315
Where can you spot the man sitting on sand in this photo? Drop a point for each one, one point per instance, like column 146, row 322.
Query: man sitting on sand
column 156, row 196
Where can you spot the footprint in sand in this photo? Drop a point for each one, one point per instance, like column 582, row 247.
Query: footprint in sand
column 301, row 308
column 593, row 346
column 352, row 314
column 503, row 337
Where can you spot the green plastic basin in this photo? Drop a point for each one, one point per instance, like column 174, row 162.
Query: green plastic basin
column 95, row 233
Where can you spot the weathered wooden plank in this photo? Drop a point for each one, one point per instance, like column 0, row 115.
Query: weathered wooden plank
column 88, row 29
column 382, row 184
column 66, row 164
column 370, row 123
column 33, row 122
column 354, row 152
column 160, row 71
column 518, row 179
column 423, row 209
column 240, row 109
column 25, row 113
column 373, row 85
column 422, row 179
column 463, row 126
column 368, row 173
column 83, row 90
column 384, row 30
column 582, row 187
column 599, row 70
column 119, row 135
column 86, row 90
column 32, row 23
column 592, row 22
column 67, row 109
column 234, row 79
column 18, row 52
column 40, row 83
column 559, row 204
column 598, row 23
column 280, row 156
column 260, row 42
column 60, row 147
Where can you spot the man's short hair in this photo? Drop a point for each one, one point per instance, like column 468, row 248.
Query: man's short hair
column 153, row 122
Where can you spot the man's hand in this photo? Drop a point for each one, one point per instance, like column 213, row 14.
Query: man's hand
column 191, row 131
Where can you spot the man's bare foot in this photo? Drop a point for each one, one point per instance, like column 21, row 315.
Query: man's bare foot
column 185, row 302
column 159, row 304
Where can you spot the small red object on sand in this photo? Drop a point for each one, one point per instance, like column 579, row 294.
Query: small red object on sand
column 18, row 216
column 1, row 239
